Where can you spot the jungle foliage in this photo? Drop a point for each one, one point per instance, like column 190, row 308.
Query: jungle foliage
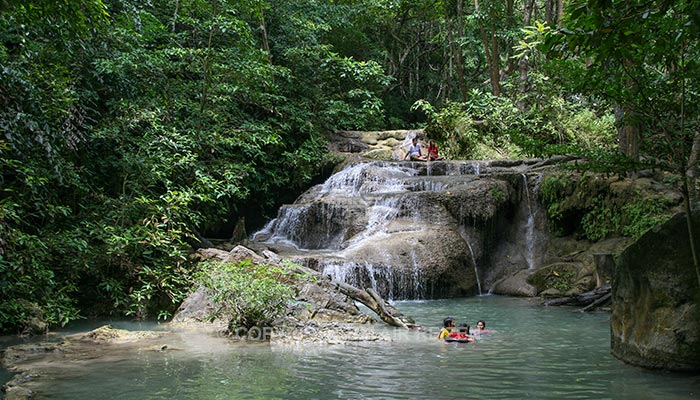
column 130, row 127
column 596, row 208
column 248, row 295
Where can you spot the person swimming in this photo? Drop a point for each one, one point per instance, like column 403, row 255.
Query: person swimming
column 461, row 336
column 481, row 327
column 447, row 325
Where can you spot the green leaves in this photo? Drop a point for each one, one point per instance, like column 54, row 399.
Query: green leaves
column 486, row 126
column 245, row 294
column 126, row 134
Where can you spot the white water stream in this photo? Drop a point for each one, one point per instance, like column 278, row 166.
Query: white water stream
column 344, row 221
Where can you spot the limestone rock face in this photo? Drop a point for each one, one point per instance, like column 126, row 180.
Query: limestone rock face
column 655, row 320
column 516, row 285
column 425, row 263
column 409, row 230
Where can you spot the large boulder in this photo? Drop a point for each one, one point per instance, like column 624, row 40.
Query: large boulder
column 515, row 285
column 317, row 299
column 420, row 263
column 655, row 320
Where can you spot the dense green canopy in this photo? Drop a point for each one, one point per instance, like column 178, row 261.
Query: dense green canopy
column 131, row 127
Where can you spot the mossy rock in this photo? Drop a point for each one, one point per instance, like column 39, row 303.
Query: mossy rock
column 584, row 284
column 379, row 154
column 550, row 293
column 655, row 316
column 559, row 276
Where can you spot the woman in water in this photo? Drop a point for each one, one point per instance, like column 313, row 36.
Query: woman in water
column 481, row 327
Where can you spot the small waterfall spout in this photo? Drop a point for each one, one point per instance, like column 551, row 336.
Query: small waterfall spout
column 531, row 214
column 463, row 232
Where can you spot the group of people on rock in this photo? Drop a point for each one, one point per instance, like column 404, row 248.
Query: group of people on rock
column 416, row 154
column 461, row 333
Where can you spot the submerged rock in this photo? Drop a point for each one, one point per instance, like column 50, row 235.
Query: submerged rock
column 31, row 361
column 325, row 333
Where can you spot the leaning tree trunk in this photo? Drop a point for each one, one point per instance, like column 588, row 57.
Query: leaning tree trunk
column 374, row 302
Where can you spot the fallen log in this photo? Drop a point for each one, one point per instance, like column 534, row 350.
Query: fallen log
column 370, row 298
column 597, row 303
column 583, row 299
column 374, row 302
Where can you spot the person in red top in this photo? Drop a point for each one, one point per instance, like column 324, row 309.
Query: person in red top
column 461, row 336
column 433, row 152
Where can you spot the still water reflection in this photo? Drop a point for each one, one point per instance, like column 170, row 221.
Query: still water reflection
column 534, row 352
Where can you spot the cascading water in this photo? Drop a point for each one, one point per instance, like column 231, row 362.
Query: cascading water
column 383, row 211
column 392, row 226
column 531, row 215
column 465, row 236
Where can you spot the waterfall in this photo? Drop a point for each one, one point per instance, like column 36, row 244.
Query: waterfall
column 316, row 222
column 379, row 215
column 472, row 168
column 381, row 278
column 379, row 224
column 531, row 214
column 417, row 275
column 365, row 178
column 476, row 270
column 463, row 233
column 463, row 168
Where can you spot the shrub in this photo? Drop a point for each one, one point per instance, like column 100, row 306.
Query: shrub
column 245, row 294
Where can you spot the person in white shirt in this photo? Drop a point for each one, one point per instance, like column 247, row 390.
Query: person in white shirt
column 414, row 152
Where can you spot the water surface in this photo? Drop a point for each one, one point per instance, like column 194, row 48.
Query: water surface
column 533, row 352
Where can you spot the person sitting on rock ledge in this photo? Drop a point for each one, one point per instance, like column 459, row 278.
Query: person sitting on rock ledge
column 433, row 152
column 414, row 152
column 448, row 323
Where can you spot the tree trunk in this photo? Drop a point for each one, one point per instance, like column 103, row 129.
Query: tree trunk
column 691, row 166
column 691, row 228
column 560, row 13
column 582, row 299
column 457, row 50
column 554, row 12
column 627, row 133
column 528, row 6
column 374, row 302
column 263, row 35
column 492, row 54
column 206, row 65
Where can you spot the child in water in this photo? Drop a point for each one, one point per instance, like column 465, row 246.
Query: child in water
column 448, row 323
column 461, row 336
